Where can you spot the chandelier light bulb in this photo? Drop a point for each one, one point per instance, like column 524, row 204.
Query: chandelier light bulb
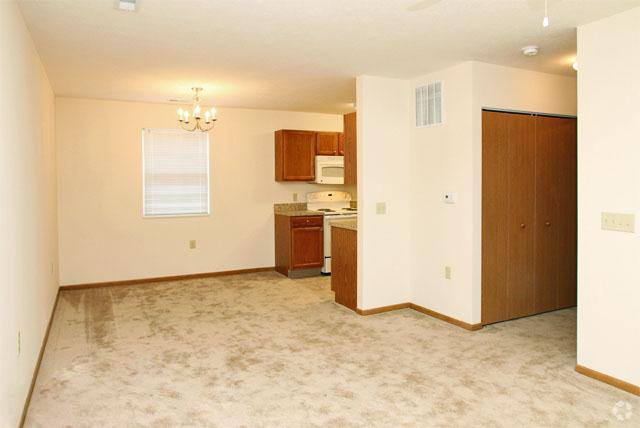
column 199, row 123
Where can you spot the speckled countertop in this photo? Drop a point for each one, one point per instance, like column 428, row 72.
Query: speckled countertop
column 294, row 209
column 345, row 224
column 298, row 213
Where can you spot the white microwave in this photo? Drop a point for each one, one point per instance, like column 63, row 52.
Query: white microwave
column 330, row 169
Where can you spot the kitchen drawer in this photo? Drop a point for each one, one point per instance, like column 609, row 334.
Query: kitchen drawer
column 306, row 221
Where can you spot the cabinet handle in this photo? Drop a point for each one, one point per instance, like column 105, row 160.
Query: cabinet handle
column 547, row 224
column 522, row 226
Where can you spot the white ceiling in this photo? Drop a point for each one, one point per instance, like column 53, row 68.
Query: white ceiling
column 289, row 54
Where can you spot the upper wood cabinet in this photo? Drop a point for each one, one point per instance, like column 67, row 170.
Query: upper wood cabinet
column 327, row 143
column 341, row 144
column 295, row 155
column 350, row 149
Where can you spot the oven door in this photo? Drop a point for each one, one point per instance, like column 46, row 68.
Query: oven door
column 330, row 169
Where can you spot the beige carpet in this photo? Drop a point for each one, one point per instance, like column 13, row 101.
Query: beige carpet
column 262, row 350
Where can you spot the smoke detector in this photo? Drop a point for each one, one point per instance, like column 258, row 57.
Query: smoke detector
column 530, row 50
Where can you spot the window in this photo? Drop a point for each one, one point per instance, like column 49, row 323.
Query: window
column 175, row 172
column 429, row 105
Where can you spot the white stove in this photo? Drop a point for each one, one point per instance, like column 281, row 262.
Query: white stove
column 335, row 205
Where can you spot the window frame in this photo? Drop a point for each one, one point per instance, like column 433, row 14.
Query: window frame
column 208, row 156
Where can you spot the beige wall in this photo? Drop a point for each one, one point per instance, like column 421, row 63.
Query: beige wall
column 103, row 236
column 609, row 181
column 442, row 234
column 28, row 247
column 448, row 158
column 383, row 176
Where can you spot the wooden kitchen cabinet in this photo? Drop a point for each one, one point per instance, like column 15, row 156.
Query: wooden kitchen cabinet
column 341, row 144
column 299, row 245
column 327, row 143
column 350, row 149
column 295, row 155
column 344, row 266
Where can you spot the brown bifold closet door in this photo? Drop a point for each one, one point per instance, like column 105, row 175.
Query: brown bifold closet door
column 529, row 214
column 556, row 212
column 508, row 215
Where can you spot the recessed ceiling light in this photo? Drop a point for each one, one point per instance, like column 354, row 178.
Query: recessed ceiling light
column 530, row 50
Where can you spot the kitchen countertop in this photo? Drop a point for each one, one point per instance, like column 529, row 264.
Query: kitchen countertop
column 298, row 213
column 351, row 224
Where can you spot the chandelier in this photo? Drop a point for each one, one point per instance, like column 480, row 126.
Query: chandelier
column 197, row 119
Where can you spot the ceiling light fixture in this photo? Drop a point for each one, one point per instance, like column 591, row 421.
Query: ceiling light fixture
column 530, row 50
column 197, row 119
column 545, row 20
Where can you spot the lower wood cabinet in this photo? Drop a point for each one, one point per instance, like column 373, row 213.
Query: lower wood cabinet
column 344, row 266
column 299, row 245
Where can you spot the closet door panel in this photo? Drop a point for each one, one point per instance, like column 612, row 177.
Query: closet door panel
column 520, row 187
column 567, row 212
column 547, row 214
column 495, row 132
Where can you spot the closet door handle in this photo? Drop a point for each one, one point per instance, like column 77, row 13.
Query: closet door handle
column 548, row 224
column 522, row 225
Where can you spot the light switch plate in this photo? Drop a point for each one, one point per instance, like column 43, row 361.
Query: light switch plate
column 381, row 208
column 619, row 222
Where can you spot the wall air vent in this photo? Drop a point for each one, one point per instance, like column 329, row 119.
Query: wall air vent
column 429, row 105
column 127, row 5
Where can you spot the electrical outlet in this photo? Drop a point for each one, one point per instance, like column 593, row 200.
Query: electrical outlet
column 19, row 343
column 447, row 272
column 192, row 244
column 295, row 197
column 618, row 222
column 381, row 208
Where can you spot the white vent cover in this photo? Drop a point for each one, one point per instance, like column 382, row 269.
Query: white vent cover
column 429, row 105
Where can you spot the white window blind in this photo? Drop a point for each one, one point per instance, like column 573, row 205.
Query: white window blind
column 175, row 172
column 429, row 104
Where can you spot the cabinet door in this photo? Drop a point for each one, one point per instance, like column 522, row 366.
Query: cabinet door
column 298, row 153
column 327, row 143
column 307, row 249
column 547, row 210
column 341, row 144
column 350, row 149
